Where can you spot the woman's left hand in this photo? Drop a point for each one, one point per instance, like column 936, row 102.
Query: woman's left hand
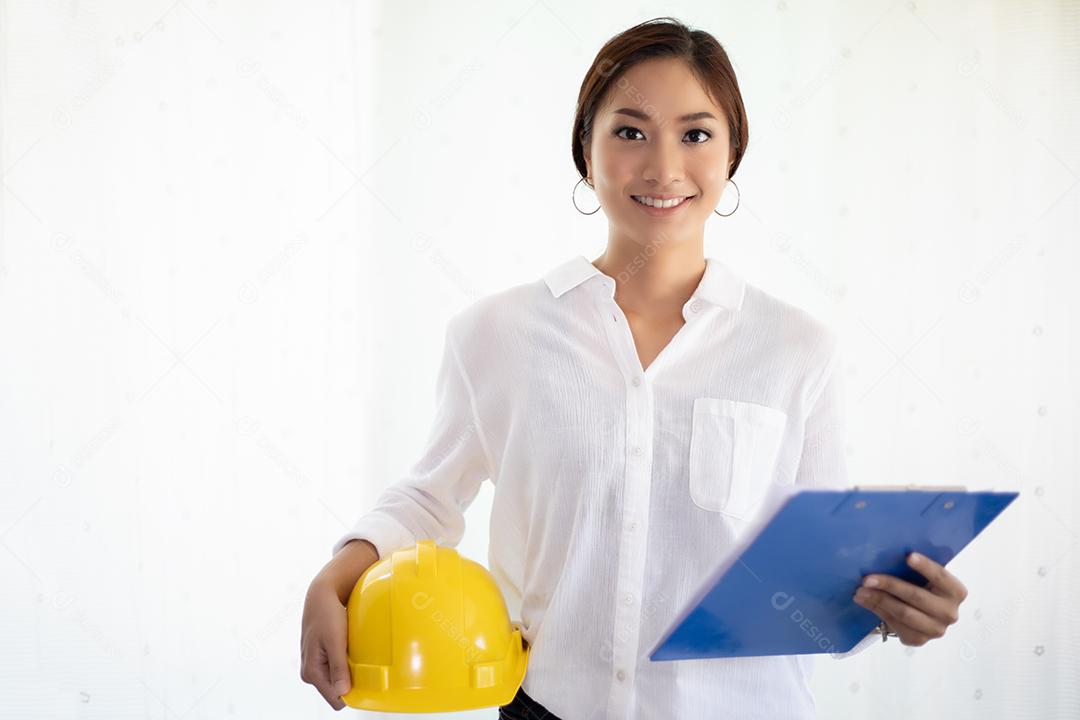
column 915, row 613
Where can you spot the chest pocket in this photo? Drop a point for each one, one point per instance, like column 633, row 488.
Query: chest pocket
column 734, row 447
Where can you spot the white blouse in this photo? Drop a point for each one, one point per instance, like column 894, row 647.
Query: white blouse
column 617, row 489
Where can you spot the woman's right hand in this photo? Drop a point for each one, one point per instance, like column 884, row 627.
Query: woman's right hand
column 324, row 630
column 323, row 638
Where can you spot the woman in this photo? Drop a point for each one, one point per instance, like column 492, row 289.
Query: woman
column 601, row 401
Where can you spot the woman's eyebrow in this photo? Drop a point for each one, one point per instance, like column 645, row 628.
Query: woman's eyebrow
column 644, row 116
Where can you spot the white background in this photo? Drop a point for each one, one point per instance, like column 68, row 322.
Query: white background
column 232, row 234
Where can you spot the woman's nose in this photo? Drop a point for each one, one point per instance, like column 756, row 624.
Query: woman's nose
column 664, row 164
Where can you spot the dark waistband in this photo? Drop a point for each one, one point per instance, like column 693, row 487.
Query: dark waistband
column 523, row 707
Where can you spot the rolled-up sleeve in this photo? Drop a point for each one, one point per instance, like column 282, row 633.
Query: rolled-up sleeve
column 429, row 502
column 823, row 463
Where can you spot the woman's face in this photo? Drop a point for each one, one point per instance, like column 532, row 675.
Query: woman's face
column 643, row 145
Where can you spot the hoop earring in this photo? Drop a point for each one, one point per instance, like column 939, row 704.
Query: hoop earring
column 738, row 196
column 573, row 198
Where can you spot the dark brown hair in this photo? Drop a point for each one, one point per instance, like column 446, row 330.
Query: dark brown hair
column 661, row 38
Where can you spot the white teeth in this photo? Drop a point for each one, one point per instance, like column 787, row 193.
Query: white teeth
column 645, row 200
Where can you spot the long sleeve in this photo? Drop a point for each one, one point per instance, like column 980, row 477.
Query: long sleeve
column 822, row 464
column 430, row 501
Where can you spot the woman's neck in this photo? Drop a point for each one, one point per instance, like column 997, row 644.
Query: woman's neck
column 653, row 280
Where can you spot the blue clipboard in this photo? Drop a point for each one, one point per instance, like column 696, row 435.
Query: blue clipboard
column 787, row 588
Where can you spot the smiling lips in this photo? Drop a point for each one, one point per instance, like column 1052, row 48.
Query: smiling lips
column 665, row 201
column 660, row 204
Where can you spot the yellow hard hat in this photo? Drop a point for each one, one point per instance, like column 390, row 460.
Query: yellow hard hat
column 429, row 632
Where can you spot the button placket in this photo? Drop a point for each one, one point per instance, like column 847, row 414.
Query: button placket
column 632, row 546
column 630, row 570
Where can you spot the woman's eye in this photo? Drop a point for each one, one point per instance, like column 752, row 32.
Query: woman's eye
column 633, row 130
column 701, row 132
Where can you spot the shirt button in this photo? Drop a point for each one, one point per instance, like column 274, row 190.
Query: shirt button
column 636, row 381
column 621, row 675
column 628, row 599
column 637, row 450
column 695, row 306
column 632, row 526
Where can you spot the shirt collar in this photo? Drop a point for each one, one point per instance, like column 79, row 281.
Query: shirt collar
column 719, row 285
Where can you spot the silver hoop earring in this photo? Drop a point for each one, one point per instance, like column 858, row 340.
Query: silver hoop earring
column 573, row 198
column 738, row 196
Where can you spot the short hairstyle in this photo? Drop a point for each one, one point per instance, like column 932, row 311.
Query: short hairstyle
column 661, row 37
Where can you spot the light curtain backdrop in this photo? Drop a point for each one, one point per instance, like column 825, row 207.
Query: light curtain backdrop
column 232, row 233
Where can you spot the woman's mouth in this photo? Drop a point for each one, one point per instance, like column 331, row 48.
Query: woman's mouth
column 659, row 207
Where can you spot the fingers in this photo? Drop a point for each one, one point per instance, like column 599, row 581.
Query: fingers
column 915, row 613
column 323, row 647
column 328, row 695
column 940, row 608
column 942, row 582
column 913, row 625
column 315, row 671
column 340, row 678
